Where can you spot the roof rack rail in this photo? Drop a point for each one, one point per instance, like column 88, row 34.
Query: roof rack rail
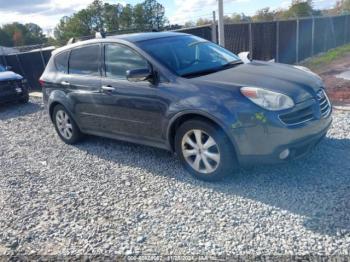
column 71, row 41
column 100, row 35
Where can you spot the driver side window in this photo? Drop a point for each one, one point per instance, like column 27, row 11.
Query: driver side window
column 119, row 59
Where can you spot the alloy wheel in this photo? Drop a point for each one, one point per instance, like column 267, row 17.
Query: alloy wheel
column 201, row 151
column 64, row 124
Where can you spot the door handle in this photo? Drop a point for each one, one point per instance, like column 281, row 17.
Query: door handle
column 65, row 83
column 108, row 88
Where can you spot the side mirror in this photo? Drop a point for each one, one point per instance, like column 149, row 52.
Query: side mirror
column 8, row 68
column 138, row 75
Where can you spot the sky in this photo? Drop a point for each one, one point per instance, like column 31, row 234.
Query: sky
column 47, row 13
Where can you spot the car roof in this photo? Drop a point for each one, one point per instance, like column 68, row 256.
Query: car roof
column 138, row 37
column 132, row 38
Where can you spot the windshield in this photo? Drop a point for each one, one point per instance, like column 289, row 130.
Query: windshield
column 2, row 68
column 189, row 55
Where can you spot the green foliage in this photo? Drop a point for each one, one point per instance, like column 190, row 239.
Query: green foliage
column 236, row 18
column 300, row 8
column 154, row 14
column 101, row 17
column 126, row 17
column 17, row 34
column 345, row 6
column 203, row 21
column 112, row 15
column 326, row 58
column 264, row 15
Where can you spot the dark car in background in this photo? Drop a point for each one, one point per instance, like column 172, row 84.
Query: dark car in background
column 13, row 87
column 185, row 94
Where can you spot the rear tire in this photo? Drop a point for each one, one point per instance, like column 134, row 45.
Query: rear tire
column 65, row 126
column 205, row 151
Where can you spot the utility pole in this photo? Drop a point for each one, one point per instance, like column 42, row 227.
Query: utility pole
column 221, row 24
column 214, row 33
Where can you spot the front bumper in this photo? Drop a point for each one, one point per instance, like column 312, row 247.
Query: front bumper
column 13, row 97
column 12, row 91
column 264, row 143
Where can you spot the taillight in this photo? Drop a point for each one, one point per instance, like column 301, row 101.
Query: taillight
column 41, row 82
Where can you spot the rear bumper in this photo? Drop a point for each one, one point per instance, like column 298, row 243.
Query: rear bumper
column 264, row 144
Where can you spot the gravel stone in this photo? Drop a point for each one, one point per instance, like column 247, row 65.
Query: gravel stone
column 104, row 197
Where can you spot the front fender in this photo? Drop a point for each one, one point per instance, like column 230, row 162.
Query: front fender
column 212, row 109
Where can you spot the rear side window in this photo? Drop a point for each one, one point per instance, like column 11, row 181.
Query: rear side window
column 61, row 62
column 85, row 61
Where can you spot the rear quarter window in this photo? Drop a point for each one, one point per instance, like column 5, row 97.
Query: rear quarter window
column 61, row 62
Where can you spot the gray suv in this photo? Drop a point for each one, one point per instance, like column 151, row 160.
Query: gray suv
column 184, row 94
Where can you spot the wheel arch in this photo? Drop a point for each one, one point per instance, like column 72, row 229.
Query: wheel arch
column 52, row 108
column 181, row 118
column 59, row 98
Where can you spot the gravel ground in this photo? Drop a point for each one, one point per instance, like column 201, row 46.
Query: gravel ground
column 108, row 197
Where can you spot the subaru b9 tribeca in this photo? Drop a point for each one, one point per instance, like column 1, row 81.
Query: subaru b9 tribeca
column 187, row 95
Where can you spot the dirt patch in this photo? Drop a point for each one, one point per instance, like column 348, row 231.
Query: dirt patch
column 338, row 88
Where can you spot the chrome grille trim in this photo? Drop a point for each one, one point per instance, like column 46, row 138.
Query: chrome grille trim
column 307, row 113
column 325, row 105
column 298, row 117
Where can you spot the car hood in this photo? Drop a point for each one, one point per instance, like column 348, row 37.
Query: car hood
column 8, row 75
column 296, row 83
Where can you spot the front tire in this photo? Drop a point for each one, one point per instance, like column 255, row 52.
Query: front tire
column 24, row 100
column 65, row 126
column 205, row 151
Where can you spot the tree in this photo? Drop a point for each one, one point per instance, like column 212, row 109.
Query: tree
column 112, row 15
column 147, row 15
column 236, row 18
column 264, row 15
column 203, row 21
column 300, row 8
column 96, row 13
column 35, row 34
column 83, row 23
column 189, row 24
column 126, row 17
column 154, row 14
column 17, row 38
column 17, row 34
column 345, row 6
column 139, row 17
column 5, row 38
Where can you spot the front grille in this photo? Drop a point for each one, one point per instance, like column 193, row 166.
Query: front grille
column 307, row 113
column 9, row 85
column 325, row 106
column 299, row 116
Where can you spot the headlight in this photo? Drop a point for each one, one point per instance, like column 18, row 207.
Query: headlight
column 267, row 99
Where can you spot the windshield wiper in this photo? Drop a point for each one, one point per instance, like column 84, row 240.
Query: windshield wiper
column 233, row 63
column 201, row 73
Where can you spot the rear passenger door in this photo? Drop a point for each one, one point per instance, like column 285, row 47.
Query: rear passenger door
column 84, row 82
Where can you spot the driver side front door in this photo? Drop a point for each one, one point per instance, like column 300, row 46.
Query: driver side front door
column 135, row 109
